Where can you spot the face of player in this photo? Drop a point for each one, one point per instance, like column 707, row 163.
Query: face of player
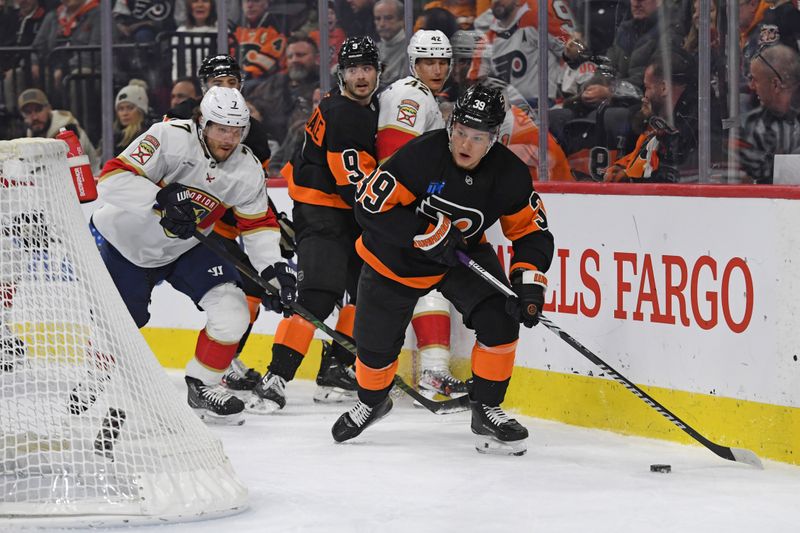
column 468, row 145
column 37, row 118
column 183, row 90
column 231, row 82
column 360, row 82
column 222, row 140
column 432, row 71
column 126, row 113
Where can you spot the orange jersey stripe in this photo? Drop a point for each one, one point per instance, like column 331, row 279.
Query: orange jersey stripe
column 351, row 166
column 422, row 282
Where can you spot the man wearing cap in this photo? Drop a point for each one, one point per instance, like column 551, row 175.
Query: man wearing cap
column 44, row 121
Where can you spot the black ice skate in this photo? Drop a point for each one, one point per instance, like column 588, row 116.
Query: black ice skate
column 240, row 378
column 268, row 396
column 336, row 382
column 497, row 433
column 214, row 404
column 12, row 351
column 358, row 418
column 441, row 382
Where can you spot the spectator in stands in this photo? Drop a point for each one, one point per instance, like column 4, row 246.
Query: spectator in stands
column 139, row 21
column 511, row 51
column 18, row 27
column 773, row 127
column 388, row 15
column 44, row 121
column 637, row 42
column 232, row 11
column 356, row 18
column 781, row 24
column 131, row 107
column 73, row 23
column 293, row 142
column 183, row 89
column 284, row 99
column 751, row 13
column 261, row 46
column 201, row 17
column 437, row 18
column 462, row 10
column 667, row 149
column 336, row 36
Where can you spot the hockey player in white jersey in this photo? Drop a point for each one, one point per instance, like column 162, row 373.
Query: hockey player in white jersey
column 178, row 177
column 408, row 108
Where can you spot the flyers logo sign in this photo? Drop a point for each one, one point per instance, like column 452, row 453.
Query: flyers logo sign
column 468, row 220
column 407, row 112
column 145, row 150
column 315, row 127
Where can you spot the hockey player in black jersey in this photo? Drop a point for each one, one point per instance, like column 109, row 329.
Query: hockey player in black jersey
column 436, row 195
column 338, row 153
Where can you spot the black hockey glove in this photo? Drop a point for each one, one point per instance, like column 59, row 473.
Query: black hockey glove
column 177, row 212
column 440, row 243
column 287, row 244
column 283, row 277
column 529, row 286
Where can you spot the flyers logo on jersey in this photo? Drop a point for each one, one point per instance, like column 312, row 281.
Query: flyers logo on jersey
column 510, row 65
column 407, row 112
column 468, row 220
column 315, row 127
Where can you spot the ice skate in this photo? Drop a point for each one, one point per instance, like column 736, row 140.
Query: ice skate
column 214, row 404
column 433, row 382
column 496, row 432
column 12, row 352
column 336, row 382
column 358, row 418
column 268, row 396
column 240, row 378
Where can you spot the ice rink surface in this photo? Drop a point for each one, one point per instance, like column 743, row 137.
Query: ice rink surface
column 418, row 472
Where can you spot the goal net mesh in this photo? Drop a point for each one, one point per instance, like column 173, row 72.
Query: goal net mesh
column 90, row 424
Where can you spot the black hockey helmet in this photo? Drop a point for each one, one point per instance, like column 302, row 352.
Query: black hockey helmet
column 360, row 50
column 219, row 65
column 480, row 107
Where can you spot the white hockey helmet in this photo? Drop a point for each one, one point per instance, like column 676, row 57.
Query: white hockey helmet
column 225, row 106
column 428, row 43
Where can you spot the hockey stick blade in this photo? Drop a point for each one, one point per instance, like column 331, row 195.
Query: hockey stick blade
column 732, row 454
column 455, row 405
column 431, row 405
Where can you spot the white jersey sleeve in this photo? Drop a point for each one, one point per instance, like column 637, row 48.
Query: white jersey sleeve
column 407, row 110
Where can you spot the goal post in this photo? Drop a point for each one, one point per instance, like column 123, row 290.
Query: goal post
column 91, row 428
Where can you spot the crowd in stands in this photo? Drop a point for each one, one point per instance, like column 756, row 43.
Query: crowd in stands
column 622, row 93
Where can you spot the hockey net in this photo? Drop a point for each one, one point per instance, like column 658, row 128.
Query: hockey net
column 91, row 428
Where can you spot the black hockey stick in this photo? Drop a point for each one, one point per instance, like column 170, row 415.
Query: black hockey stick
column 740, row 455
column 440, row 408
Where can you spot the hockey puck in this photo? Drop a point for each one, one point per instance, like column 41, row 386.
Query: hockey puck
column 663, row 469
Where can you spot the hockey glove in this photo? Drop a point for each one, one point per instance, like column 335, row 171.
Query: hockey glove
column 529, row 286
column 177, row 212
column 287, row 243
column 283, row 277
column 441, row 242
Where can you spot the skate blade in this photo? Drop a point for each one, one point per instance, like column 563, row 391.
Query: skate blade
column 214, row 419
column 260, row 406
column 333, row 395
column 492, row 446
column 436, row 394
